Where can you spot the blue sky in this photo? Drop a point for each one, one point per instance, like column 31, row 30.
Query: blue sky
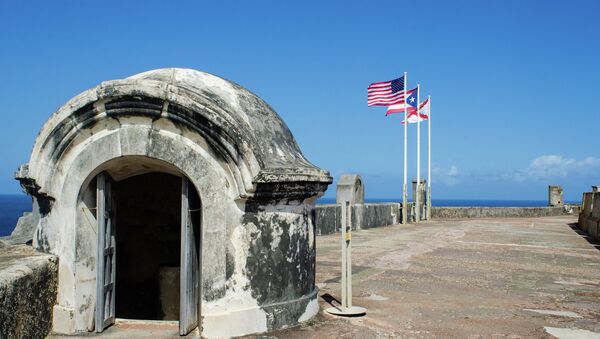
column 514, row 84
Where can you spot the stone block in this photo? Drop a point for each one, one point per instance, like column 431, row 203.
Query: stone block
column 62, row 319
column 28, row 282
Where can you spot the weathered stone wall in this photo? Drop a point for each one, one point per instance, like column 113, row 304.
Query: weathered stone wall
column 383, row 214
column 28, row 282
column 280, row 243
column 328, row 217
column 499, row 212
column 589, row 218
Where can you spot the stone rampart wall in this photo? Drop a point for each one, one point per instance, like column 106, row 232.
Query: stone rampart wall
column 328, row 219
column 499, row 212
column 589, row 218
column 28, row 281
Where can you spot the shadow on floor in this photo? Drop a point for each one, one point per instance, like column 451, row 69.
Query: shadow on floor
column 592, row 241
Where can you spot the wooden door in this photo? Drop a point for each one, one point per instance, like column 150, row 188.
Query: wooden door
column 105, row 258
column 189, row 279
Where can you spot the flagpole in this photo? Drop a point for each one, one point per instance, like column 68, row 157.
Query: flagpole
column 429, row 160
column 404, row 195
column 418, row 194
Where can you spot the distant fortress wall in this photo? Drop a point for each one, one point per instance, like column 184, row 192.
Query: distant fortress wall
column 501, row 212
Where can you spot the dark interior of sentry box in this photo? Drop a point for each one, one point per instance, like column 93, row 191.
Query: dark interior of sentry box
column 148, row 228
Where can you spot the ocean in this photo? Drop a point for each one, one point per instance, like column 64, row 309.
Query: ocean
column 13, row 206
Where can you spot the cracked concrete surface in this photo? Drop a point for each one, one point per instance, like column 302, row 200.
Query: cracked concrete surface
column 463, row 279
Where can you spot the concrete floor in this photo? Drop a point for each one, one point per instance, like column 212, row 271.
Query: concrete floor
column 485, row 278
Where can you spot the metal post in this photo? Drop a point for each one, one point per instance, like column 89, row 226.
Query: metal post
column 349, row 254
column 429, row 160
column 417, row 201
column 343, row 230
column 404, row 193
column 346, row 309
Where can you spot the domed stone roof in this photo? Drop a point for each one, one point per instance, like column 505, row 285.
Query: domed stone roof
column 276, row 144
column 242, row 129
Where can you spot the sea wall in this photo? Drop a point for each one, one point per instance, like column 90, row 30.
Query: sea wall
column 589, row 218
column 28, row 281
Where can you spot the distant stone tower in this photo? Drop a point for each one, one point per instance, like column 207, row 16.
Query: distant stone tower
column 555, row 196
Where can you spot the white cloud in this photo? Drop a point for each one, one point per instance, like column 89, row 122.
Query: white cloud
column 453, row 172
column 548, row 167
column 542, row 169
column 448, row 177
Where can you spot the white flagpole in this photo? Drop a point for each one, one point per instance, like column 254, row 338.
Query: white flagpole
column 418, row 193
column 404, row 195
column 429, row 160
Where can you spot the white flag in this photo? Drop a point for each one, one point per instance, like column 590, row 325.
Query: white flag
column 423, row 113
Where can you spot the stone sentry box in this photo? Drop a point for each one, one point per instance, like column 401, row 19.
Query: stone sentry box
column 555, row 196
column 219, row 182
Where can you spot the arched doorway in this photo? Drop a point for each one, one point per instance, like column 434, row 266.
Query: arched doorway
column 148, row 220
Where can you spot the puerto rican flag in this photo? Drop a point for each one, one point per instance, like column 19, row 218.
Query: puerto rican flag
column 411, row 99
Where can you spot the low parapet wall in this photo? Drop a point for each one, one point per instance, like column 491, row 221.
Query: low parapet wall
column 328, row 218
column 28, row 281
column 499, row 212
column 589, row 218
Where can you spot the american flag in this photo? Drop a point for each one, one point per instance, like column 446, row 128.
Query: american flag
column 386, row 93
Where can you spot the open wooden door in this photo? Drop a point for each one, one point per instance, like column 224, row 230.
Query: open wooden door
column 189, row 280
column 105, row 258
